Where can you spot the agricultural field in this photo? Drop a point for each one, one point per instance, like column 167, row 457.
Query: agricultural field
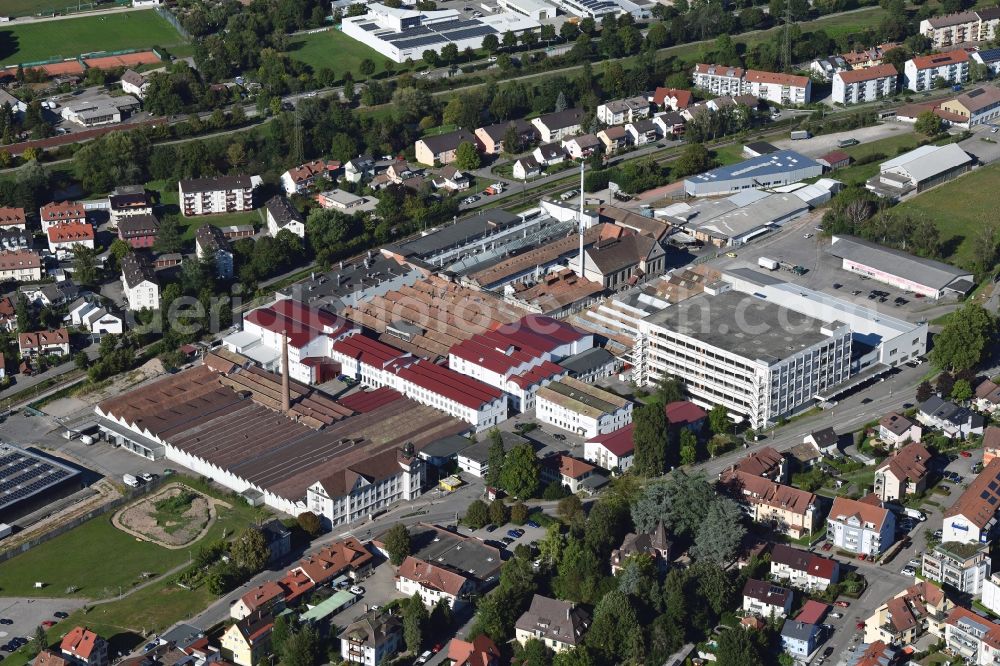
column 337, row 51
column 68, row 38
column 958, row 224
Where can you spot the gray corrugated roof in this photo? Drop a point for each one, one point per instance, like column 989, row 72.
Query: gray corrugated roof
column 927, row 272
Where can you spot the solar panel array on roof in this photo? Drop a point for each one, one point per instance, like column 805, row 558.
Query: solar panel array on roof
column 23, row 474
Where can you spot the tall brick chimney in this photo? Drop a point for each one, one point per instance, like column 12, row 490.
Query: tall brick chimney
column 286, row 398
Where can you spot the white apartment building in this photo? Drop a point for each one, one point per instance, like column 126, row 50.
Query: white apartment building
column 864, row 85
column 142, row 290
column 961, row 27
column 221, row 194
column 20, row 266
column 766, row 600
column 921, row 72
column 963, row 566
column 581, row 408
column 991, row 593
column 719, row 79
column 778, row 88
column 803, row 569
column 971, row 637
column 859, row 527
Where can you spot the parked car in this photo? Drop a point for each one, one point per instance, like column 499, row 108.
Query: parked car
column 859, row 626
column 490, row 528
column 836, row 615
column 6, row 620
column 842, row 604
column 532, row 523
column 62, row 615
column 908, row 571
column 357, row 589
column 914, row 562
column 965, row 454
column 426, row 655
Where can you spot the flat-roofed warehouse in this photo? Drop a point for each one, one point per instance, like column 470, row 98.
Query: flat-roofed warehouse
column 769, row 170
column 900, row 269
column 231, row 425
column 29, row 481
column 404, row 33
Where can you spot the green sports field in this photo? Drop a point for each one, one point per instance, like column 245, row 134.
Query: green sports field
column 68, row 38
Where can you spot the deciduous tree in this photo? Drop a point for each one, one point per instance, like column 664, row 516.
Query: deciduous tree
column 397, row 543
column 250, row 551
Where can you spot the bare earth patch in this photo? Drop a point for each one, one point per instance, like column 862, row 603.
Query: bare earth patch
column 174, row 528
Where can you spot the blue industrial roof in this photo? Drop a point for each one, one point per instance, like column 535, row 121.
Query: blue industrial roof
column 764, row 165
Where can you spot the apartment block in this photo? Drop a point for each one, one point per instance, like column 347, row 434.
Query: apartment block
column 921, row 72
column 864, row 85
column 222, row 194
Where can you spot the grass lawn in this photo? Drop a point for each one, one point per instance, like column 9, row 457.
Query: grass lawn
column 91, row 544
column 729, row 154
column 958, row 224
column 32, row 7
column 891, row 146
column 337, row 51
column 68, row 38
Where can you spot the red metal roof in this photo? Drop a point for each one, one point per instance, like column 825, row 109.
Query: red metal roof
column 368, row 401
column 519, row 342
column 940, row 59
column 618, row 442
column 539, row 373
column 366, row 350
column 308, row 315
column 452, row 385
column 684, row 412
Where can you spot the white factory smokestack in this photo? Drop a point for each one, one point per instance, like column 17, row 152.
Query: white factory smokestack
column 580, row 226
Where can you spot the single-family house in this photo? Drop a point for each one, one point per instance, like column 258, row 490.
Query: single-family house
column 987, row 396
column 952, row 420
column 372, row 639
column 549, row 154
column 570, row 472
column 765, row 599
column 581, row 146
column 434, row 583
column 800, row 639
column 895, row 430
column 559, row 625
column 360, row 168
column 903, row 473
column 442, row 148
column 248, row 641
column 526, row 167
column 281, row 214
column 669, row 123
column 490, row 139
column 134, row 83
column 83, row 647
column 674, row 99
column 94, row 319
column 642, row 132
column 556, row 126
column 766, row 462
column 268, row 597
column 299, row 179
column 653, row 544
column 480, row 651
column 452, row 178
column 991, row 444
column 38, row 343
column 613, row 138
column 347, row 557
column 802, row 569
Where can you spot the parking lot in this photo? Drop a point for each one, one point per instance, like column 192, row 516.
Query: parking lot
column 26, row 615
column 800, row 243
